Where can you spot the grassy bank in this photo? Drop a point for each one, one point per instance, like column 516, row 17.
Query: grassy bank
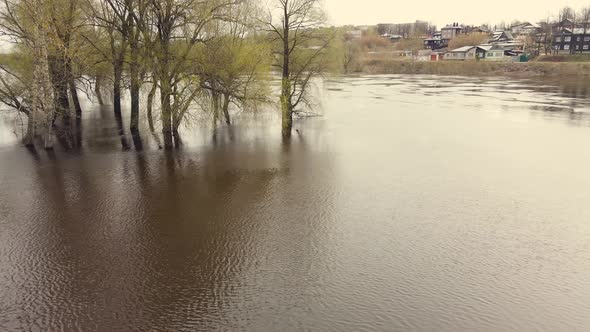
column 564, row 58
column 473, row 68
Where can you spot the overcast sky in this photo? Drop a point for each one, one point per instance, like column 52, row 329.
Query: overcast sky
column 440, row 12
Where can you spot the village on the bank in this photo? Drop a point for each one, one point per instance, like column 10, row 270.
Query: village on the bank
column 516, row 42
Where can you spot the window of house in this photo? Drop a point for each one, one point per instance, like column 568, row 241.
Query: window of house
column 586, row 38
column 566, row 47
column 579, row 38
column 568, row 38
column 558, row 39
column 586, row 47
column 577, row 47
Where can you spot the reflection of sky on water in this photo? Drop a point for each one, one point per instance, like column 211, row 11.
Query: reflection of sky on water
column 413, row 203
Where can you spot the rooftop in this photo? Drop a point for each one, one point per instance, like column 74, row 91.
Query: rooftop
column 462, row 49
column 526, row 24
column 577, row 31
column 489, row 47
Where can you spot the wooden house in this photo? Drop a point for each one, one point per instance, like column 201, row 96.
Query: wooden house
column 570, row 41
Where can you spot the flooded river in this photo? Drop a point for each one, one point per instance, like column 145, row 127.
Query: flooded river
column 412, row 203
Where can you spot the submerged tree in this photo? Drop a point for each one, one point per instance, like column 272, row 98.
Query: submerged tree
column 185, row 49
column 179, row 25
column 233, row 67
column 114, row 19
column 301, row 45
column 29, row 88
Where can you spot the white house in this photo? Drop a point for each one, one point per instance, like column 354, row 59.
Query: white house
column 493, row 53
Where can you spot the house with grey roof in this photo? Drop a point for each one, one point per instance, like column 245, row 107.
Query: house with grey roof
column 500, row 37
column 492, row 53
column 459, row 53
column 525, row 28
column 462, row 53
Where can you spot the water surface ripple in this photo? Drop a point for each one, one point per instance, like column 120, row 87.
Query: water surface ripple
column 413, row 203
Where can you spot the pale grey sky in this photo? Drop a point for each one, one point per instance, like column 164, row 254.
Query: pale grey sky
column 439, row 12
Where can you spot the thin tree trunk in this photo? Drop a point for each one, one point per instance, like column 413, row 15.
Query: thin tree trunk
column 72, row 87
column 98, row 91
column 226, row 109
column 166, row 113
column 42, row 95
column 134, row 123
column 75, row 99
column 215, row 106
column 176, row 112
column 135, row 83
column 58, row 73
column 29, row 139
column 118, row 72
column 287, row 114
column 150, row 105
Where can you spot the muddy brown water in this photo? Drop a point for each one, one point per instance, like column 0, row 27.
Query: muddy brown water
column 413, row 203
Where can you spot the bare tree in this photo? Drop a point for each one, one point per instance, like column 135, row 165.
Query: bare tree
column 232, row 66
column 27, row 23
column 301, row 46
column 585, row 21
column 66, row 18
column 351, row 55
column 113, row 17
column 182, row 21
column 566, row 13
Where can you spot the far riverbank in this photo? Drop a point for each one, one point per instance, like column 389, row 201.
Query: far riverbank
column 477, row 68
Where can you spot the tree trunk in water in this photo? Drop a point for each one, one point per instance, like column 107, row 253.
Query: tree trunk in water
column 29, row 139
column 74, row 94
column 287, row 116
column 42, row 110
column 97, row 90
column 44, row 97
column 226, row 109
column 118, row 69
column 135, row 85
column 215, row 106
column 72, row 87
column 150, row 105
column 166, row 113
column 286, row 111
column 134, row 125
column 59, row 79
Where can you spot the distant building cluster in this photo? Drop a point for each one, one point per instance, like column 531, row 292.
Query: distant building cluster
column 499, row 43
column 565, row 37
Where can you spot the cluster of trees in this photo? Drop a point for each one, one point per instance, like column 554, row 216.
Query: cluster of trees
column 407, row 30
column 181, row 53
